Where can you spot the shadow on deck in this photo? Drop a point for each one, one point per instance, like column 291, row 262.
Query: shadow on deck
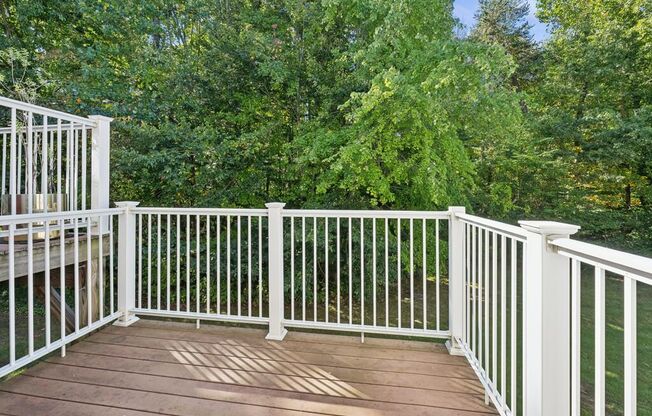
column 156, row 367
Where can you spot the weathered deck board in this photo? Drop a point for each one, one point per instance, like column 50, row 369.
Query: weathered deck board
column 168, row 368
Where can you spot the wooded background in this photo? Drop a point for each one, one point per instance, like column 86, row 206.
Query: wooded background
column 357, row 103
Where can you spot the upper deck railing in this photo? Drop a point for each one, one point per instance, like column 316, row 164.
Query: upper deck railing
column 51, row 160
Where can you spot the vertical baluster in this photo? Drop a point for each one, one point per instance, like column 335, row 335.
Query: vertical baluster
column 111, row 300
column 100, row 263
column 4, row 163
column 292, row 268
column 503, row 321
column 140, row 260
column 168, row 235
column 630, row 346
column 303, row 268
column 158, row 262
column 30, row 287
column 59, row 177
column 218, row 266
column 362, row 271
column 62, row 285
column 467, row 280
column 260, row 266
column 387, row 272
column 326, row 286
column 89, row 273
column 599, row 342
column 178, row 251
column 208, row 264
column 494, row 308
column 239, row 267
column 424, row 276
column 576, row 319
column 514, row 328
column 350, row 231
column 338, row 267
column 411, row 273
column 249, row 264
column 69, row 165
column 314, row 268
column 474, row 288
column 83, row 167
column 437, row 279
column 76, row 271
column 373, row 268
column 29, row 172
column 44, row 162
column 188, row 231
column 149, row 261
column 480, row 298
column 485, row 298
column 197, row 264
column 12, row 280
column 398, row 270
column 13, row 190
column 47, row 283
column 228, row 265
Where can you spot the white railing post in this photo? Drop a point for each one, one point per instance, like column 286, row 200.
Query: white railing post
column 456, row 272
column 275, row 263
column 100, row 166
column 546, row 315
column 126, row 263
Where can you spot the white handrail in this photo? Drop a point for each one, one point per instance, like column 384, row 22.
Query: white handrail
column 19, row 105
column 617, row 261
column 201, row 211
column 321, row 213
column 53, row 216
column 509, row 230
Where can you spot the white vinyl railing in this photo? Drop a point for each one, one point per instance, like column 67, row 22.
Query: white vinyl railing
column 52, row 161
column 366, row 271
column 494, row 259
column 58, row 269
column 506, row 297
column 603, row 263
column 201, row 263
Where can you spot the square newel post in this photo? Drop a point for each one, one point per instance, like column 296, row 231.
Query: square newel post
column 275, row 260
column 126, row 263
column 546, row 310
column 100, row 166
column 456, row 238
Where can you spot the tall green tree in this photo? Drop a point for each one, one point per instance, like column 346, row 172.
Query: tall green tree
column 504, row 23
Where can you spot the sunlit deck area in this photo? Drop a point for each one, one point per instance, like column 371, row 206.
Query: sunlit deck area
column 156, row 367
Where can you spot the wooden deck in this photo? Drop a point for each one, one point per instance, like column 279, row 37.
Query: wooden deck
column 156, row 367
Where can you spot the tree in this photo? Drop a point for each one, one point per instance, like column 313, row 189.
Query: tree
column 504, row 23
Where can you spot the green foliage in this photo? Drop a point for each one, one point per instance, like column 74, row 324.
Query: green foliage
column 356, row 104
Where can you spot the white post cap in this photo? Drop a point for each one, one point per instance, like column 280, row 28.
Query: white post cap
column 549, row 227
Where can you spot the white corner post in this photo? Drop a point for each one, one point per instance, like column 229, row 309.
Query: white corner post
column 126, row 263
column 275, row 260
column 546, row 310
column 456, row 274
column 100, row 166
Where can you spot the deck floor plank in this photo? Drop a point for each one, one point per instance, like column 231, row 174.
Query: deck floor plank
column 157, row 367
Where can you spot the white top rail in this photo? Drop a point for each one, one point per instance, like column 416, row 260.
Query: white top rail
column 19, row 105
column 508, row 230
column 54, row 216
column 613, row 260
column 365, row 214
column 200, row 211
column 51, row 127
